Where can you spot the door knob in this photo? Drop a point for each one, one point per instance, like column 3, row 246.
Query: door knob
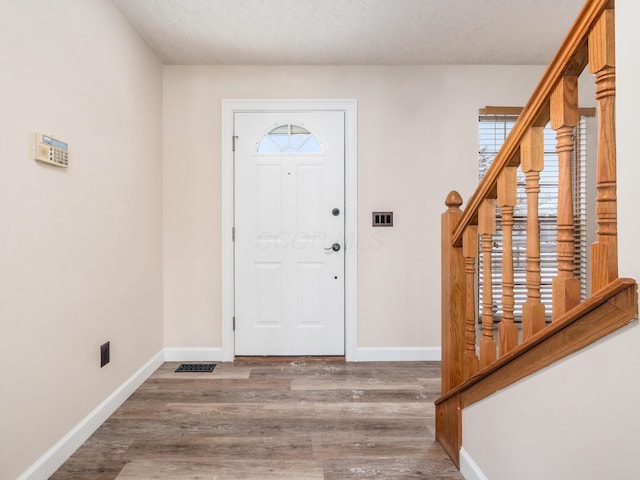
column 335, row 247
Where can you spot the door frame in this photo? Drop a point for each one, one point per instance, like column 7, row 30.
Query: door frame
column 229, row 108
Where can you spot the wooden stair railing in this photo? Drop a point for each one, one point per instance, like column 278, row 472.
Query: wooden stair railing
column 469, row 234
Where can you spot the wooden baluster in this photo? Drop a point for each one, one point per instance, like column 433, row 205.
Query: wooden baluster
column 532, row 163
column 470, row 253
column 564, row 117
column 486, row 229
column 604, row 252
column 453, row 297
column 507, row 197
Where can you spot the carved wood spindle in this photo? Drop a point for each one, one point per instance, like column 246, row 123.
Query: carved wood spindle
column 507, row 197
column 532, row 163
column 470, row 253
column 564, row 117
column 604, row 252
column 486, row 229
column 453, row 297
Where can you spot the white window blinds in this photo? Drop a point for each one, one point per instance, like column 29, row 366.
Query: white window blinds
column 493, row 130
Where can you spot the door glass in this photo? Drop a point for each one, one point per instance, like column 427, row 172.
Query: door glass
column 289, row 138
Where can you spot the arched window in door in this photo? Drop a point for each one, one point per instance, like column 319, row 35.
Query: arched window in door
column 289, row 138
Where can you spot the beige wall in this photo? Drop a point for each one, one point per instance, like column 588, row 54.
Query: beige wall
column 579, row 418
column 80, row 249
column 417, row 140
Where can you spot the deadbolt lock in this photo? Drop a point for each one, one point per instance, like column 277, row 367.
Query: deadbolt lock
column 335, row 247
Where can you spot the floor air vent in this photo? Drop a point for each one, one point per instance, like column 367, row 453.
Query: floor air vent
column 196, row 367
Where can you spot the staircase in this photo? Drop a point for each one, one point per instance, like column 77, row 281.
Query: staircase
column 476, row 366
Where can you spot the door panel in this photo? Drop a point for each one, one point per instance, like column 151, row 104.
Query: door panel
column 268, row 287
column 289, row 283
column 269, row 201
column 309, row 200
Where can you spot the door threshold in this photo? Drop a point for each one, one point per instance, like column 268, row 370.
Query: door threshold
column 288, row 359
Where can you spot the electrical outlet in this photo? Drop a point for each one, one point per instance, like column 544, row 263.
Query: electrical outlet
column 104, row 354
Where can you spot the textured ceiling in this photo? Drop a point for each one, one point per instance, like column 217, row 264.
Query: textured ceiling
column 338, row 32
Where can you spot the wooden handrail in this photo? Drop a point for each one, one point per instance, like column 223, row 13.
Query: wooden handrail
column 571, row 59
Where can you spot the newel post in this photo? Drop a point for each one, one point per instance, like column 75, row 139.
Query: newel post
column 453, row 297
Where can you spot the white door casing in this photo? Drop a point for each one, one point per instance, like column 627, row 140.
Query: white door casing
column 289, row 233
column 293, row 109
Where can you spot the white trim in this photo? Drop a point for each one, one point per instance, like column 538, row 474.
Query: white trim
column 399, row 354
column 46, row 465
column 468, row 468
column 193, row 354
column 349, row 107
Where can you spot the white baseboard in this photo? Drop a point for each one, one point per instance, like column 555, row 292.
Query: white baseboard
column 363, row 354
column 468, row 468
column 193, row 354
column 399, row 354
column 46, row 465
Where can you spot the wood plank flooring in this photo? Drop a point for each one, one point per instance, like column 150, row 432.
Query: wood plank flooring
column 300, row 419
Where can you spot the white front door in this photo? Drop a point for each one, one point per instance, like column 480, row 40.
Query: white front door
column 289, row 233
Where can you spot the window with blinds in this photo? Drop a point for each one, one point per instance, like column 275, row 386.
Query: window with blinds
column 493, row 130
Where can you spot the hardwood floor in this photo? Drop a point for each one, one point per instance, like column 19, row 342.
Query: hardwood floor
column 300, row 419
